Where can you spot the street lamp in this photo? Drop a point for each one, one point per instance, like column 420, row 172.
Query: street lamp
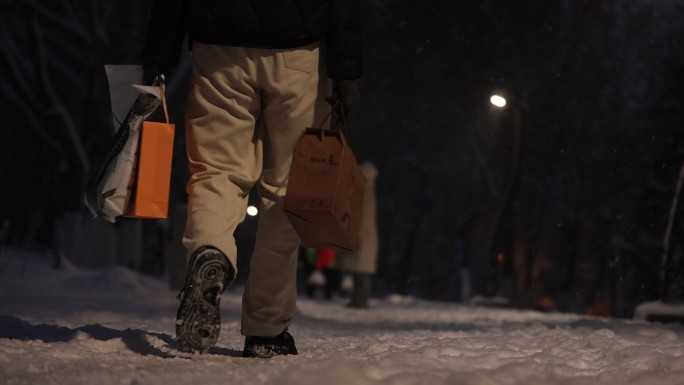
column 503, row 207
column 252, row 211
column 498, row 100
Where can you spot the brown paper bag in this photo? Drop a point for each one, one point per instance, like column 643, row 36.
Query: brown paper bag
column 325, row 191
column 150, row 195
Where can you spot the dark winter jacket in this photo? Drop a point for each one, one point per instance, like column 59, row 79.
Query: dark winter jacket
column 258, row 23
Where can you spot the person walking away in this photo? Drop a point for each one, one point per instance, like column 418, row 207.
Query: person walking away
column 362, row 263
column 260, row 76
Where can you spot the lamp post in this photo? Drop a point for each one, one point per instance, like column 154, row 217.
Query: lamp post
column 500, row 101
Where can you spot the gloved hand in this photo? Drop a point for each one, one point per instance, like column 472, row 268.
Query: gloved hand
column 151, row 72
column 347, row 92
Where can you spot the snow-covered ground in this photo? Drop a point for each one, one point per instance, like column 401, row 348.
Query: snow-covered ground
column 78, row 326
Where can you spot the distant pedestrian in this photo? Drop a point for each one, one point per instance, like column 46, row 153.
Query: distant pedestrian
column 323, row 279
column 361, row 264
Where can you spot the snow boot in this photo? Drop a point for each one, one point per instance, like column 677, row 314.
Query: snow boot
column 267, row 347
column 198, row 322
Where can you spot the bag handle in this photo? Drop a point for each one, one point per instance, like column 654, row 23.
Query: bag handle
column 162, row 94
column 336, row 105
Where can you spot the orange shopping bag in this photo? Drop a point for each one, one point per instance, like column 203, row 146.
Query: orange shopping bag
column 150, row 193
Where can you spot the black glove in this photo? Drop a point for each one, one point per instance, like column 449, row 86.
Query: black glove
column 151, row 72
column 347, row 93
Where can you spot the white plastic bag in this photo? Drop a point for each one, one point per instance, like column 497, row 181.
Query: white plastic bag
column 110, row 184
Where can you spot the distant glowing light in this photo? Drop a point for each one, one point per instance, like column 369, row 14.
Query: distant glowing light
column 501, row 257
column 252, row 211
column 498, row 100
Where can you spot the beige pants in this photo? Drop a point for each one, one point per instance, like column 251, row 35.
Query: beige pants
column 246, row 109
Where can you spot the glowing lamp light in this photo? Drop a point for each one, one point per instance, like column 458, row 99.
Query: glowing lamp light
column 498, row 101
column 252, row 211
